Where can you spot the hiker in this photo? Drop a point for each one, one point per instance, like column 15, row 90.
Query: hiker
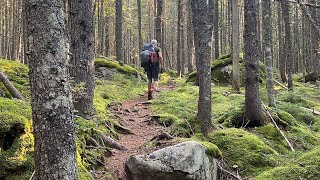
column 153, row 65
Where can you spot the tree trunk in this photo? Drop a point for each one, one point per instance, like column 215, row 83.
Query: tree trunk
column 216, row 29
column 253, row 109
column 140, row 24
column 118, row 31
column 288, row 42
column 189, row 37
column 235, row 47
column 82, row 60
column 159, row 22
column 53, row 125
column 179, row 46
column 282, row 49
column 202, row 44
column 267, row 40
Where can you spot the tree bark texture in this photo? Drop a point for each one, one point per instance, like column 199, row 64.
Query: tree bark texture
column 216, row 29
column 235, row 46
column 159, row 22
column 288, row 42
column 203, row 39
column 267, row 40
column 253, row 108
column 82, row 59
column 118, row 31
column 53, row 125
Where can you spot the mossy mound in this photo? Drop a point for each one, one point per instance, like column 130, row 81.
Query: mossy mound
column 18, row 75
column 16, row 139
column 272, row 137
column 126, row 69
column 221, row 70
column 245, row 150
column 306, row 166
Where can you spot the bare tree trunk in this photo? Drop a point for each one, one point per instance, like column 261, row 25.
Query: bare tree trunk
column 140, row 24
column 82, row 48
column 235, row 47
column 282, row 49
column 179, row 46
column 267, row 40
column 216, row 29
column 53, row 125
column 158, row 22
column 202, row 40
column 253, row 110
column 118, row 31
column 288, row 42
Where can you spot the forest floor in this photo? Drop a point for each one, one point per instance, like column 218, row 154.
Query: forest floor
column 136, row 116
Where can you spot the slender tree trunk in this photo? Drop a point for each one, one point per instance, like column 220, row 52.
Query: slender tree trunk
column 158, row 22
column 288, row 42
column 179, row 46
column 202, row 41
column 53, row 125
column 235, row 47
column 216, row 29
column 267, row 40
column 282, row 49
column 140, row 24
column 118, row 31
column 189, row 37
column 82, row 60
column 253, row 108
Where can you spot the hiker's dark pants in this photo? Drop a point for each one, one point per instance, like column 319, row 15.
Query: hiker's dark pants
column 153, row 71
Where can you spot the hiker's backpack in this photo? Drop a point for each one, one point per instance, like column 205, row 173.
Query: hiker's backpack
column 148, row 55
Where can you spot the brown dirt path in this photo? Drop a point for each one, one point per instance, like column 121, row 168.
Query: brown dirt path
column 135, row 115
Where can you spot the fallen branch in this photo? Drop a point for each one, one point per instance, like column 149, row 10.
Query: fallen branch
column 122, row 129
column 283, row 86
column 32, row 175
column 109, row 142
column 277, row 127
column 312, row 110
column 163, row 135
column 12, row 90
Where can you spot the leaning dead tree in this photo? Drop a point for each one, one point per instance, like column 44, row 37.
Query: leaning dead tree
column 12, row 90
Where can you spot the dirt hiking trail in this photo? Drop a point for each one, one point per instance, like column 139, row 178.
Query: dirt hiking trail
column 134, row 115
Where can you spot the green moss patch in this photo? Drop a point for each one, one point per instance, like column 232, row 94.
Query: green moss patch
column 307, row 166
column 243, row 149
column 126, row 69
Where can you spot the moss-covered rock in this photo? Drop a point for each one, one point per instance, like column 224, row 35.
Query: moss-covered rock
column 307, row 166
column 221, row 70
column 16, row 139
column 243, row 149
column 126, row 69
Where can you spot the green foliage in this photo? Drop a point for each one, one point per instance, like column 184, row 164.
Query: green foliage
column 18, row 75
column 307, row 166
column 243, row 149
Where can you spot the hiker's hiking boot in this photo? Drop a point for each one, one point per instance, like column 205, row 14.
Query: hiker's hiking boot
column 150, row 94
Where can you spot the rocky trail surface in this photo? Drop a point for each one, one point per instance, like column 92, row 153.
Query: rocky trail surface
column 135, row 115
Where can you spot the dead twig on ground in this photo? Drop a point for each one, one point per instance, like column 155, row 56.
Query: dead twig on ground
column 277, row 127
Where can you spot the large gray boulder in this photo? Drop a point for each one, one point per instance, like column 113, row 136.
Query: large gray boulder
column 183, row 161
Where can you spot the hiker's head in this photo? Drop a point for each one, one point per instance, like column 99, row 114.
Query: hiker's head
column 154, row 42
